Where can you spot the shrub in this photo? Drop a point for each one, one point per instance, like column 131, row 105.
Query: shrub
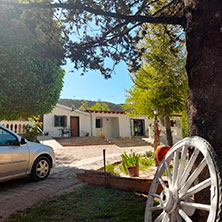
column 130, row 160
column 32, row 131
column 149, row 154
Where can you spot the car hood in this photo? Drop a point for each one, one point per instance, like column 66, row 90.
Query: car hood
column 38, row 147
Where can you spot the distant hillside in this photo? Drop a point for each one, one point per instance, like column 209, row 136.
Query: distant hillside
column 77, row 103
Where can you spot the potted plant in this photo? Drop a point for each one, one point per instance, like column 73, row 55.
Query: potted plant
column 130, row 163
column 101, row 134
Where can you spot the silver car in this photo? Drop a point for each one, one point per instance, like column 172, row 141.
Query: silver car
column 20, row 158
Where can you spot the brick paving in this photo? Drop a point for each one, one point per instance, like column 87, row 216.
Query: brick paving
column 20, row 194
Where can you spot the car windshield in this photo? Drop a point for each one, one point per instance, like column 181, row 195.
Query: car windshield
column 7, row 139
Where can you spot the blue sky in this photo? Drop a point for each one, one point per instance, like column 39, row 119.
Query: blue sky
column 93, row 86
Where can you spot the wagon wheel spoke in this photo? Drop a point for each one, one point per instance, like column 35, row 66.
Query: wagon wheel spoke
column 169, row 176
column 156, row 195
column 194, row 176
column 175, row 166
column 158, row 207
column 162, row 183
column 165, row 218
column 199, row 206
column 197, row 188
column 182, row 164
column 189, row 167
column 184, row 216
column 177, row 200
column 160, row 217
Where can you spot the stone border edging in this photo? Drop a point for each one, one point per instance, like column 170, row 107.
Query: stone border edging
column 109, row 180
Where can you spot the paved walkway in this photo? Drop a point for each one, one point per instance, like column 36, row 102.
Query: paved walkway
column 20, row 194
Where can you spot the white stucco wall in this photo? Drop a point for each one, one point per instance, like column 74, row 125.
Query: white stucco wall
column 114, row 125
column 124, row 126
column 107, row 127
column 110, row 124
column 49, row 121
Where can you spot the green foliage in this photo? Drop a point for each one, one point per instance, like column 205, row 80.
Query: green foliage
column 161, row 81
column 110, row 168
column 114, row 168
column 84, row 105
column 114, row 35
column 32, row 131
column 146, row 163
column 100, row 106
column 31, row 53
column 130, row 160
column 149, row 154
column 184, row 124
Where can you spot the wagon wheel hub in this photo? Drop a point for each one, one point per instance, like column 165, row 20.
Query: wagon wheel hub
column 168, row 200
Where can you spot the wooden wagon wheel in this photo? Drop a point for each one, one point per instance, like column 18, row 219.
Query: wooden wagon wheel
column 176, row 202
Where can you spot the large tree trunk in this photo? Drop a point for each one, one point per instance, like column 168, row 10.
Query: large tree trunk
column 204, row 68
column 168, row 131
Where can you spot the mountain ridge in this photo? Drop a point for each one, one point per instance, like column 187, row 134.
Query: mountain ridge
column 78, row 102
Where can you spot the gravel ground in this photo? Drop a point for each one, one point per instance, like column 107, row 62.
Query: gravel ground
column 78, row 153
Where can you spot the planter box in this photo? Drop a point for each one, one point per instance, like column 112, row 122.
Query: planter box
column 124, row 183
column 133, row 171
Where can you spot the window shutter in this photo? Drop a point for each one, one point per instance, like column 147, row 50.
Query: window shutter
column 65, row 119
column 55, row 117
column 132, row 127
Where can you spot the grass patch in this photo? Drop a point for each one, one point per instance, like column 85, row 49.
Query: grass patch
column 89, row 204
column 146, row 163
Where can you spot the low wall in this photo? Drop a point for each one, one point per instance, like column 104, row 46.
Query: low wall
column 109, row 180
column 16, row 126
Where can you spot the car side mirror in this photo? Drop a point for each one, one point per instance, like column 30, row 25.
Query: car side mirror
column 23, row 141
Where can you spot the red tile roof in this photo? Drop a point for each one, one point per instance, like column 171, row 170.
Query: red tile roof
column 105, row 111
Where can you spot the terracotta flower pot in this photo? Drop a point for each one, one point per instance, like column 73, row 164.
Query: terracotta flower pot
column 133, row 171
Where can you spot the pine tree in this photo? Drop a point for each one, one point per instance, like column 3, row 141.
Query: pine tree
column 161, row 82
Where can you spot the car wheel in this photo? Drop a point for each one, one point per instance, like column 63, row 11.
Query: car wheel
column 41, row 168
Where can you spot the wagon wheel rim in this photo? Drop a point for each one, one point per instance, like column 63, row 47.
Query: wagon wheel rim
column 176, row 201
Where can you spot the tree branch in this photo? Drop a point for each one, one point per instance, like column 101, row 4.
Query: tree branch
column 129, row 18
column 160, row 10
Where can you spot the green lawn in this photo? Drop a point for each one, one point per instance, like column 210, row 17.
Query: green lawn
column 89, row 204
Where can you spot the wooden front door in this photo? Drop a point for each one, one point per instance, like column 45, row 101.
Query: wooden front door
column 74, row 126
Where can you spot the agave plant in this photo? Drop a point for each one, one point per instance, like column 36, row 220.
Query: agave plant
column 130, row 160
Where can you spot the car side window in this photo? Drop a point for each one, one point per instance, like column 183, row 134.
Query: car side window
column 7, row 139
